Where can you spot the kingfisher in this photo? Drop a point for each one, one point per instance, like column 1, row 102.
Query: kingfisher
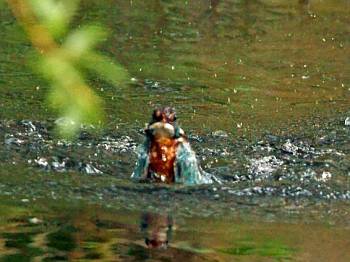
column 166, row 155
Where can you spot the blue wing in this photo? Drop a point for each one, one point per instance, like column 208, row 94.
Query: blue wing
column 187, row 170
column 141, row 168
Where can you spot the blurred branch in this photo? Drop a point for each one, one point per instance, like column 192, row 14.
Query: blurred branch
column 37, row 33
column 43, row 20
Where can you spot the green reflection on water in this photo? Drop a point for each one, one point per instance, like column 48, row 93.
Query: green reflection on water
column 63, row 239
column 269, row 248
column 80, row 231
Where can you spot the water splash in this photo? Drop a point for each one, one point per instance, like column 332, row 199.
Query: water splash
column 187, row 170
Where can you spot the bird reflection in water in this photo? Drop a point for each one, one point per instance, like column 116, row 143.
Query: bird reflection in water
column 157, row 230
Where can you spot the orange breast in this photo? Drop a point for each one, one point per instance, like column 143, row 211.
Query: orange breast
column 162, row 158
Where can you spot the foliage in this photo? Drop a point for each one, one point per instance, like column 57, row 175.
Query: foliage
column 64, row 57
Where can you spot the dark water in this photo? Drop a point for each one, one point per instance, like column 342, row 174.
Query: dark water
column 262, row 89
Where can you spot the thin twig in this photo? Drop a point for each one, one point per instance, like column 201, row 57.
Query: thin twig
column 37, row 33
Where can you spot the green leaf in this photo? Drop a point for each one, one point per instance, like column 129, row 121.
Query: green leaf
column 57, row 69
column 81, row 41
column 77, row 106
column 105, row 67
column 55, row 15
column 70, row 95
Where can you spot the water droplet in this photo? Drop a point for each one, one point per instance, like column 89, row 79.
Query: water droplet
column 35, row 220
column 347, row 121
